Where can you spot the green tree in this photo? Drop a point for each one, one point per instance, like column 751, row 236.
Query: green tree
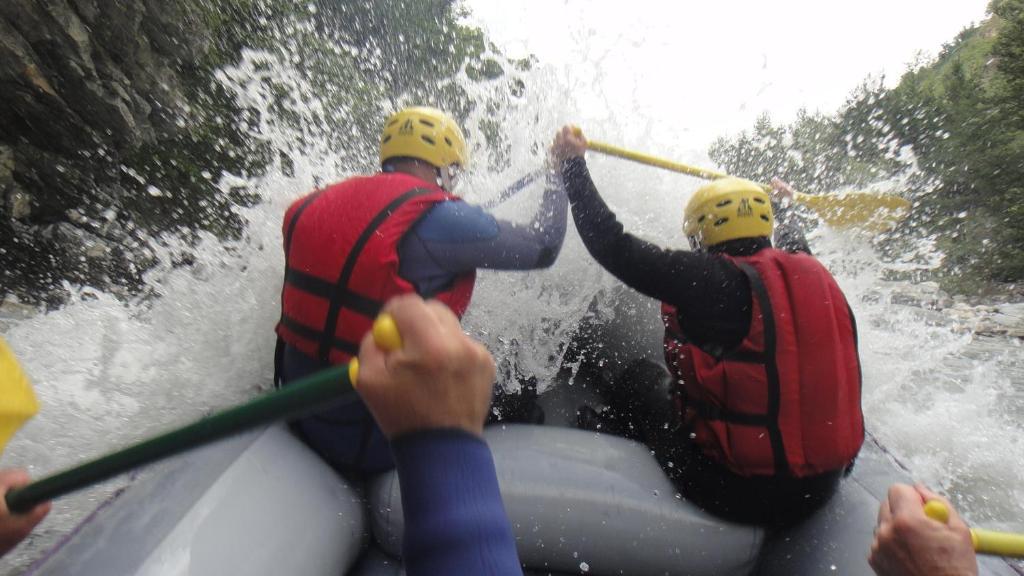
column 952, row 128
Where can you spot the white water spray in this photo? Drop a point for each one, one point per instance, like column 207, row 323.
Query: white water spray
column 108, row 373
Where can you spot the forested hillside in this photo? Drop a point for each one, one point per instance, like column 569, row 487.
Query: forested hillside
column 950, row 136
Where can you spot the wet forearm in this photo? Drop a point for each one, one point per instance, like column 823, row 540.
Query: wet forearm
column 789, row 233
column 550, row 222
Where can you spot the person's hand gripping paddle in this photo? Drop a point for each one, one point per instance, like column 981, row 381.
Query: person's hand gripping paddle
column 985, row 541
column 434, row 377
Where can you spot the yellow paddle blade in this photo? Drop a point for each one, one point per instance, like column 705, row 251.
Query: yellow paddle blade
column 17, row 400
column 875, row 211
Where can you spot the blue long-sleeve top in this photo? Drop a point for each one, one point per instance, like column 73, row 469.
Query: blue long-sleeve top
column 455, row 522
column 454, row 238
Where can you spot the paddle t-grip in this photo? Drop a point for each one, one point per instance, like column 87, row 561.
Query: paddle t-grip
column 984, row 541
column 385, row 335
column 936, row 511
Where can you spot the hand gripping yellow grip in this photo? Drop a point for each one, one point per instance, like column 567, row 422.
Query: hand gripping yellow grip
column 985, row 541
column 385, row 334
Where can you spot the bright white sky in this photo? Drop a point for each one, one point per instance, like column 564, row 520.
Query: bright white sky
column 713, row 66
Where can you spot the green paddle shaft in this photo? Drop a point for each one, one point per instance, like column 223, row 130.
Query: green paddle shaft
column 300, row 397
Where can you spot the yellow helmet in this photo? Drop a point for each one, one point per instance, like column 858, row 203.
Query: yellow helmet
column 424, row 133
column 727, row 209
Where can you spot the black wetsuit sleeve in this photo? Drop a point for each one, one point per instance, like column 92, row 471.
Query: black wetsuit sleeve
column 789, row 233
column 711, row 293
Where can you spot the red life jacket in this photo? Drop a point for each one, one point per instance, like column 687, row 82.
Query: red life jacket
column 786, row 402
column 341, row 261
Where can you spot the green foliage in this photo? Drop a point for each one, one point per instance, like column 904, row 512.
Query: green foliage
column 171, row 180
column 362, row 60
column 357, row 61
column 815, row 152
column 332, row 70
column 420, row 52
column 962, row 119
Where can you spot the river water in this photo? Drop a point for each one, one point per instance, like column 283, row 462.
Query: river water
column 945, row 402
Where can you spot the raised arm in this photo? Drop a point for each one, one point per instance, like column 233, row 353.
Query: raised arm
column 457, row 237
column 711, row 294
column 789, row 234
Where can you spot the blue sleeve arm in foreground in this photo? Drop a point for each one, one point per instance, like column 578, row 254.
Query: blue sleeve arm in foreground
column 455, row 522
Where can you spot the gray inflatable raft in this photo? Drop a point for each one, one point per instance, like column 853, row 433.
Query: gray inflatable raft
column 264, row 504
column 579, row 502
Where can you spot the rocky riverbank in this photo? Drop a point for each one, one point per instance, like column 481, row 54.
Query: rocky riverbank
column 102, row 105
column 116, row 131
column 996, row 318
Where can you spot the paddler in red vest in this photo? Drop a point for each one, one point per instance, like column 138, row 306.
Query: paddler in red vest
column 761, row 414
column 353, row 245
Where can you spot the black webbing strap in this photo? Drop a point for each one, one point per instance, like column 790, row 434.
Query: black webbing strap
column 308, row 333
column 319, row 287
column 712, row 412
column 744, row 357
column 771, row 369
column 279, row 362
column 279, row 347
column 327, row 337
column 295, row 220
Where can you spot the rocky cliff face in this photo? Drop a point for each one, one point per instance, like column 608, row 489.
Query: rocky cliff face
column 89, row 89
column 114, row 131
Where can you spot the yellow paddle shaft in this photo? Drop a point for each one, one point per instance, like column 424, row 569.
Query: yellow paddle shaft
column 985, row 541
column 649, row 160
column 610, row 150
column 872, row 210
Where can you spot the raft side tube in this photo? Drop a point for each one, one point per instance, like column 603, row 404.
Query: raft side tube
column 257, row 504
column 576, row 497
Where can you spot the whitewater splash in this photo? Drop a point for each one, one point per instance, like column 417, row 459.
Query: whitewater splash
column 109, row 372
